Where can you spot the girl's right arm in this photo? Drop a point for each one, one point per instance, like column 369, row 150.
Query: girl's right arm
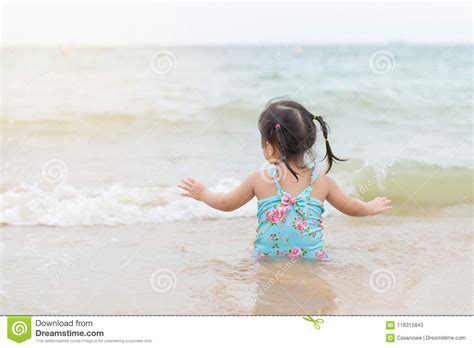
column 353, row 206
column 228, row 201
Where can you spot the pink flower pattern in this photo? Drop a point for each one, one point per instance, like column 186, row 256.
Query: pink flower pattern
column 321, row 255
column 289, row 214
column 294, row 253
column 300, row 224
column 277, row 215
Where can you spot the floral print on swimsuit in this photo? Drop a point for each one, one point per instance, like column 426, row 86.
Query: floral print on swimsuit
column 290, row 226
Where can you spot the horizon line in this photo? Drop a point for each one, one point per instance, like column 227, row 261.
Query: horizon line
column 236, row 45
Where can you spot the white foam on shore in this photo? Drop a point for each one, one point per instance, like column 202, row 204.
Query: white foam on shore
column 66, row 205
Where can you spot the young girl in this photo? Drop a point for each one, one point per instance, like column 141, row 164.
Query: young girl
column 290, row 195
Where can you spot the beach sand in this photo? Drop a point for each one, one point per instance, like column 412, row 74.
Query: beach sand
column 381, row 265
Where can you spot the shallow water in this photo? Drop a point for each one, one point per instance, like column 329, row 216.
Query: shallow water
column 389, row 265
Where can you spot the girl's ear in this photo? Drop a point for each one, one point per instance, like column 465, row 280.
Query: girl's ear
column 269, row 150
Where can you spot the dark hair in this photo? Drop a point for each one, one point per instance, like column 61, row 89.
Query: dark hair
column 291, row 126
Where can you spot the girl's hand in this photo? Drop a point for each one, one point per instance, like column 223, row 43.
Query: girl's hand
column 379, row 205
column 192, row 189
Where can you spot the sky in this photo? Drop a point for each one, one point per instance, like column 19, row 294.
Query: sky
column 235, row 23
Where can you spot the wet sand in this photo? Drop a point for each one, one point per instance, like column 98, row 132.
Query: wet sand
column 381, row 265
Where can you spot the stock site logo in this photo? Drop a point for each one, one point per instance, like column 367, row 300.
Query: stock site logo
column 19, row 328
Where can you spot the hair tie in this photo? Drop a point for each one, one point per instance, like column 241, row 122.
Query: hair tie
column 277, row 126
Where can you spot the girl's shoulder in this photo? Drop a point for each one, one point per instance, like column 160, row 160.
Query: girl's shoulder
column 260, row 177
column 323, row 181
column 321, row 186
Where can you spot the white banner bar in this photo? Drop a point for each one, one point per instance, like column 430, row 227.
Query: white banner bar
column 228, row 331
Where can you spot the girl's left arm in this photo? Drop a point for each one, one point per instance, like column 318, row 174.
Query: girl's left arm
column 352, row 206
column 222, row 201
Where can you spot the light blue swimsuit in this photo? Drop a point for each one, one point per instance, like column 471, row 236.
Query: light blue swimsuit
column 290, row 226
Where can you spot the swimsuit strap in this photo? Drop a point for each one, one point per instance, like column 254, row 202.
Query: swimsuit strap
column 273, row 172
column 314, row 176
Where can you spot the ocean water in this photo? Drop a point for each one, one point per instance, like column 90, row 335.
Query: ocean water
column 101, row 136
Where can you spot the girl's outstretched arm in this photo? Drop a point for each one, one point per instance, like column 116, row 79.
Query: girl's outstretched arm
column 222, row 201
column 352, row 206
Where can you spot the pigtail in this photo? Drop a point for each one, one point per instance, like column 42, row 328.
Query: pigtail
column 331, row 157
column 282, row 145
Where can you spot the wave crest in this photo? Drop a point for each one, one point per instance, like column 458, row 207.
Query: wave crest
column 407, row 184
column 66, row 205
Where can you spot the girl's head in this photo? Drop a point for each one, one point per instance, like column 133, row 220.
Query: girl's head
column 289, row 130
